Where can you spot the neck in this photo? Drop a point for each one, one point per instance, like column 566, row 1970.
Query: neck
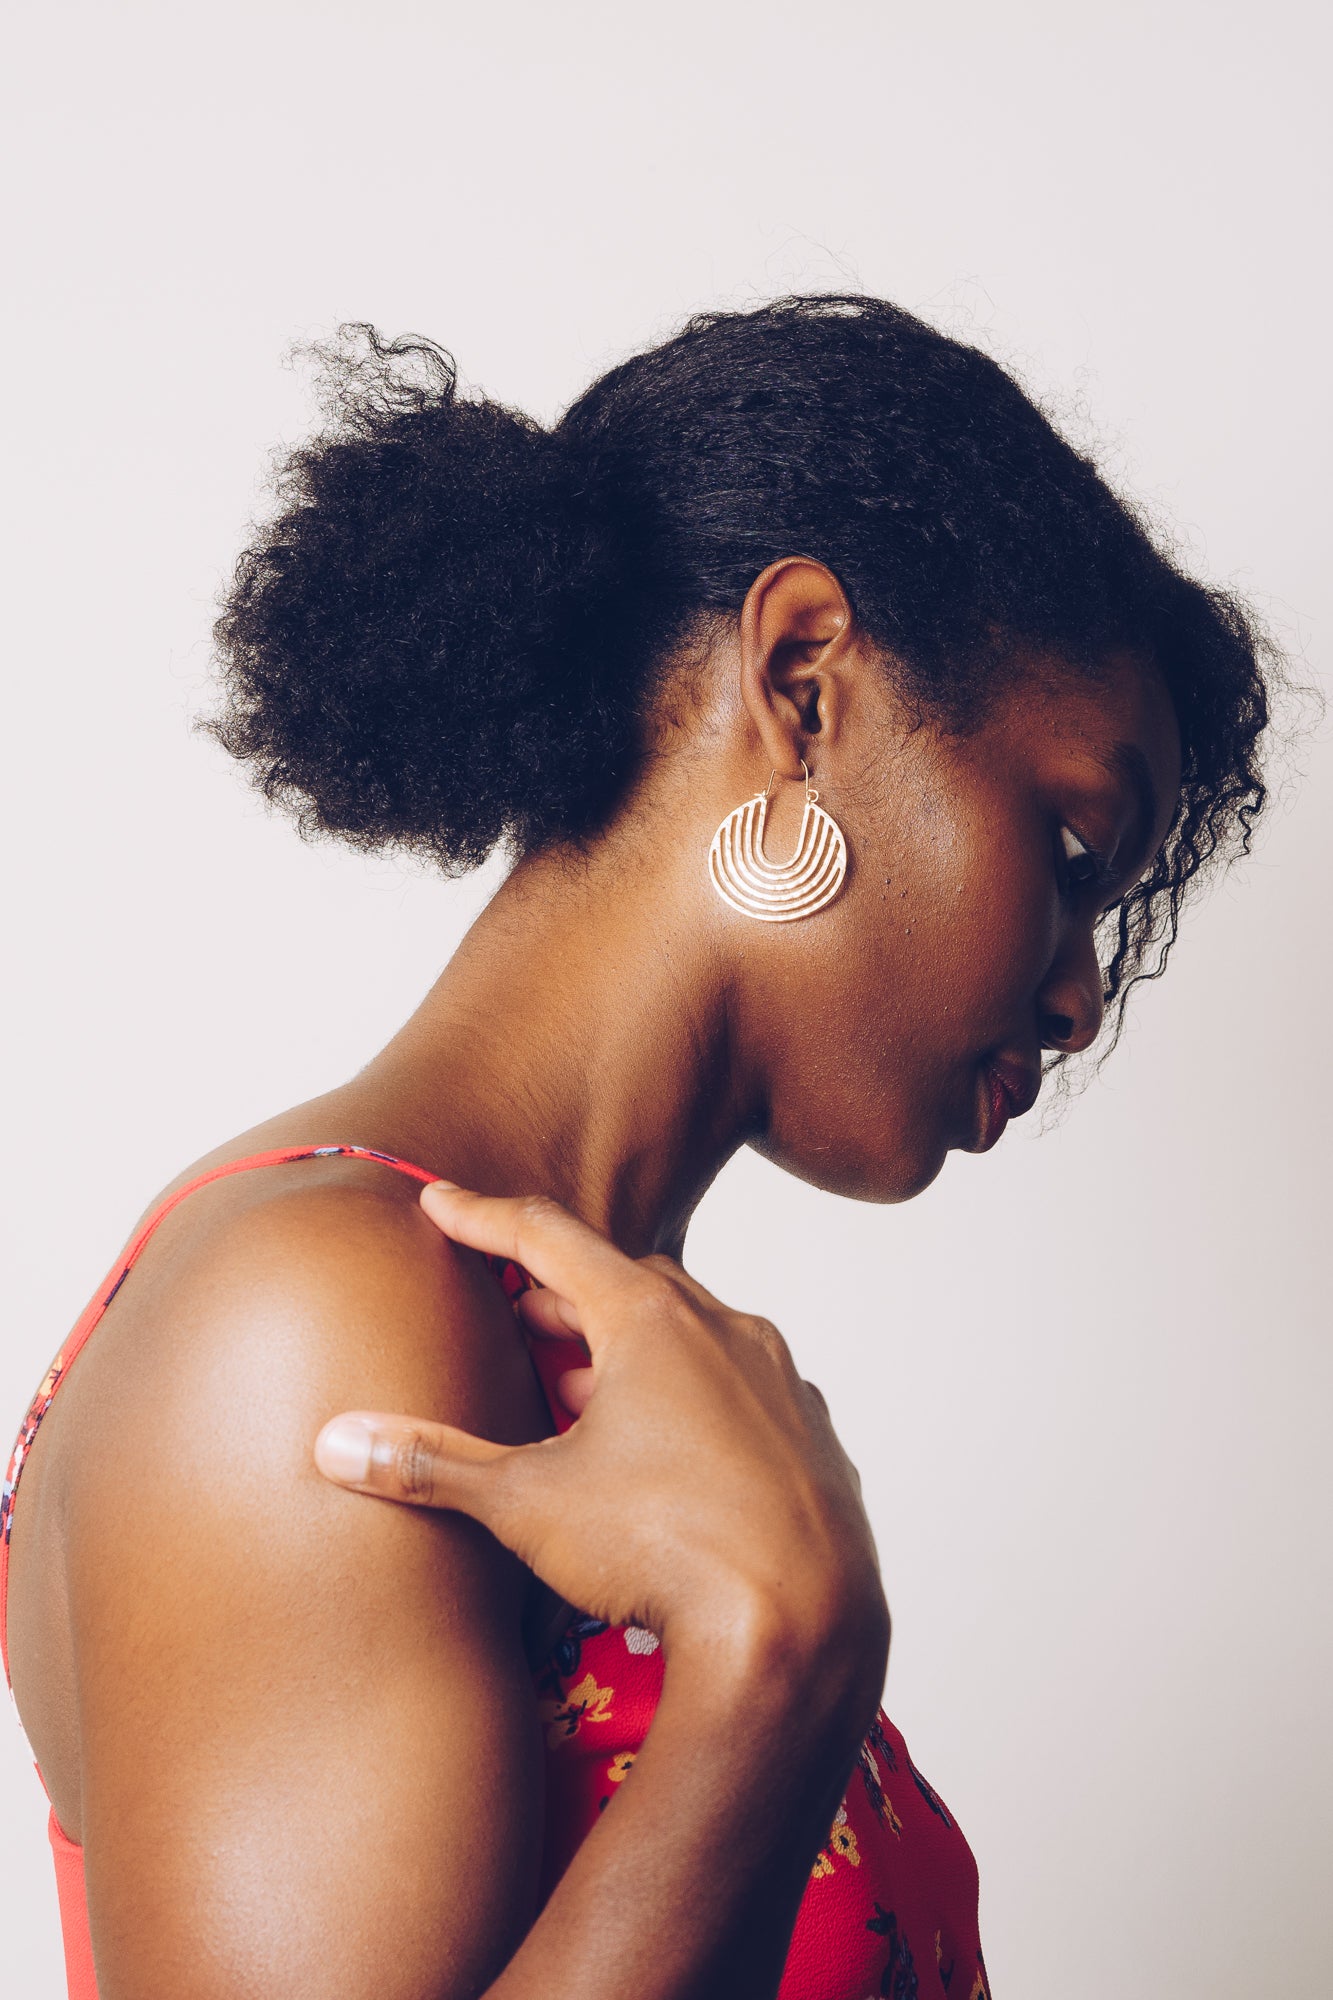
column 574, row 1046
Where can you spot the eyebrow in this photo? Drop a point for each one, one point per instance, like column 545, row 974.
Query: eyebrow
column 1127, row 761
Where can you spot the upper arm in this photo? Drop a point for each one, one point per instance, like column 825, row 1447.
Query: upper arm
column 310, row 1761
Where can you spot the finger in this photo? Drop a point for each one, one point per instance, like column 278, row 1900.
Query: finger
column 556, row 1247
column 672, row 1268
column 412, row 1460
column 544, row 1312
column 575, row 1389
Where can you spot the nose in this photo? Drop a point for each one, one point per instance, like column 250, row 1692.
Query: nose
column 1071, row 1003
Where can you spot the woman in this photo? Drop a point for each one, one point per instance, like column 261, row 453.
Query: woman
column 857, row 746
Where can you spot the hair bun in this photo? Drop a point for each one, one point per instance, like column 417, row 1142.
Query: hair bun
column 401, row 644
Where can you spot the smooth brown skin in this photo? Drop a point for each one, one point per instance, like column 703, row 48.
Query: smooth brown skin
column 293, row 1728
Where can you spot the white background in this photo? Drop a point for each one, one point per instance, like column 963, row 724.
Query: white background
column 1087, row 1378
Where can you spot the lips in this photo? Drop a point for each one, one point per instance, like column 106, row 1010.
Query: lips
column 1006, row 1089
column 1021, row 1082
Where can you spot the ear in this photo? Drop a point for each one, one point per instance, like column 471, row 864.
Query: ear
column 795, row 635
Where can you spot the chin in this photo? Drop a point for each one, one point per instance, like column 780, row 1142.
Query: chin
column 858, row 1176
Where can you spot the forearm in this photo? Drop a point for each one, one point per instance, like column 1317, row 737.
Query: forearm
column 689, row 1884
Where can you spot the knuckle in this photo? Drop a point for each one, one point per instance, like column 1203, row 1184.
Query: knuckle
column 660, row 1265
column 764, row 1332
column 657, row 1300
column 536, row 1210
column 414, row 1465
column 659, row 1282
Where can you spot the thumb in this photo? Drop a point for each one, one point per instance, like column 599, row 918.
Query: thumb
column 410, row 1459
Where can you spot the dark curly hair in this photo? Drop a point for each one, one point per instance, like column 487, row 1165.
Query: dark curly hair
column 447, row 635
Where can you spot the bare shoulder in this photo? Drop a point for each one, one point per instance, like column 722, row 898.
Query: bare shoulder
column 173, row 1533
column 268, row 1303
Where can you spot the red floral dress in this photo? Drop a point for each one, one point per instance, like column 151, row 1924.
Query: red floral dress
column 891, row 1905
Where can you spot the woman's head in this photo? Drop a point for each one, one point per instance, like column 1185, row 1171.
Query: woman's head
column 461, row 628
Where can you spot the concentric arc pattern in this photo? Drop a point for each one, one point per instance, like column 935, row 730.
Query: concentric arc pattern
column 777, row 892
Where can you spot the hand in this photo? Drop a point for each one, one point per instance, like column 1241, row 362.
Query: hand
column 702, row 1493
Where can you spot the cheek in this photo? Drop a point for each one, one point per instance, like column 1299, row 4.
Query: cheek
column 919, row 969
column 991, row 956
column 960, row 940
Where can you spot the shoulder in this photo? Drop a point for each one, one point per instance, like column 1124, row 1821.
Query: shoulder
column 286, row 1293
column 234, row 1339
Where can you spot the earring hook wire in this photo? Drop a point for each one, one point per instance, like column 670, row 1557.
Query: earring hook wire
column 811, row 795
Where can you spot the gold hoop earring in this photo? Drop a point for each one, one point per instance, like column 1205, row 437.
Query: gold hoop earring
column 777, row 892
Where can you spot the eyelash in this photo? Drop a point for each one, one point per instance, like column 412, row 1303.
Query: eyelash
column 1097, row 872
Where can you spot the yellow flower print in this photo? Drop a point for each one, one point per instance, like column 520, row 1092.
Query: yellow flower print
column 619, row 1765
column 841, row 1840
column 586, row 1702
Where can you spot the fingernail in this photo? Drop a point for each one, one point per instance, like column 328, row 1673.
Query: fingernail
column 343, row 1449
column 443, row 1187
